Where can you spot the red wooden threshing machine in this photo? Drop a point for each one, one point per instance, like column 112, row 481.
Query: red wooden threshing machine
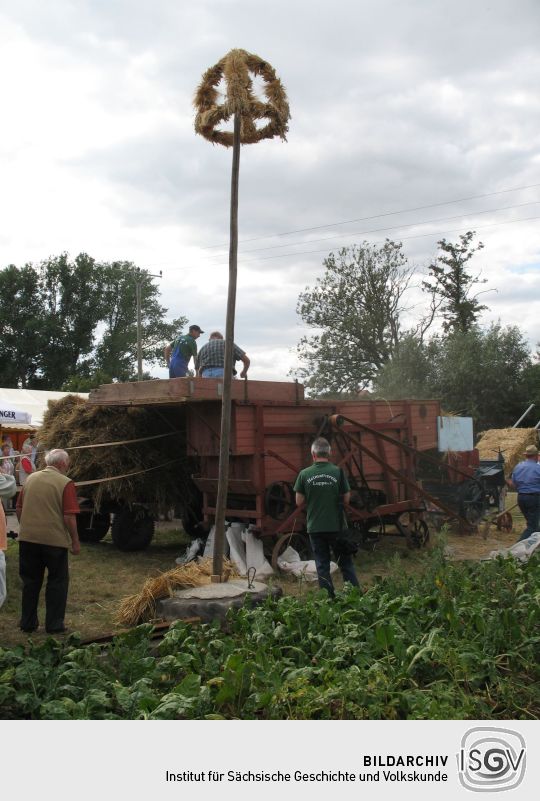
column 389, row 451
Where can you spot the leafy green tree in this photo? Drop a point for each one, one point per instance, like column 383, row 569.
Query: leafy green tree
column 73, row 306
column 356, row 306
column 409, row 373
column 72, row 323
column 451, row 284
column 116, row 353
column 22, row 341
column 480, row 373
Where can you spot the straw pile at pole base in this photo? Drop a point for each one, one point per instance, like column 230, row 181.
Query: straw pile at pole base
column 73, row 422
column 141, row 607
column 511, row 441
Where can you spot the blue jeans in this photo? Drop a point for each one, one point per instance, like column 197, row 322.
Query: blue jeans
column 322, row 542
column 529, row 505
column 212, row 372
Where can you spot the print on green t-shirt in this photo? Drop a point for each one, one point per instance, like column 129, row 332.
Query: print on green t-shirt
column 322, row 484
column 186, row 345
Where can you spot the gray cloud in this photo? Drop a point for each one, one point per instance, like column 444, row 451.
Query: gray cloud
column 394, row 105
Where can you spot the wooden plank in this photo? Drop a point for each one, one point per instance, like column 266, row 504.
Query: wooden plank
column 180, row 390
column 239, row 486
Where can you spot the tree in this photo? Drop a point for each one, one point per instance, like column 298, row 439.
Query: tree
column 22, row 341
column 357, row 307
column 484, row 374
column 116, row 353
column 72, row 323
column 451, row 284
column 409, row 372
column 73, row 306
column 481, row 373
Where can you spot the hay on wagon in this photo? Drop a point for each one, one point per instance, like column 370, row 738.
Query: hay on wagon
column 161, row 471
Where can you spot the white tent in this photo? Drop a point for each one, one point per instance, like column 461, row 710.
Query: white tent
column 31, row 403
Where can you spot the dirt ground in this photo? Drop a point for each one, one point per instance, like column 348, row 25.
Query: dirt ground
column 102, row 575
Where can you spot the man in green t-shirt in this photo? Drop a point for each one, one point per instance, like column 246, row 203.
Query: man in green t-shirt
column 324, row 489
column 181, row 350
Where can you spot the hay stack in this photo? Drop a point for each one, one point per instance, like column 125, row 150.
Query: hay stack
column 511, row 441
column 141, row 607
column 72, row 422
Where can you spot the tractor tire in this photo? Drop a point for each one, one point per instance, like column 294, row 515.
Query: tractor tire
column 132, row 529
column 92, row 526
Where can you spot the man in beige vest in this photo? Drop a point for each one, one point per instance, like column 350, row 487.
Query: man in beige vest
column 47, row 508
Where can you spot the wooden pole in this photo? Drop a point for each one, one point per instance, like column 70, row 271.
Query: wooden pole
column 138, row 284
column 223, row 476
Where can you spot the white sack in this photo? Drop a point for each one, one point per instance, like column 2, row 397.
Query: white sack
column 522, row 551
column 238, row 551
column 255, row 555
column 290, row 562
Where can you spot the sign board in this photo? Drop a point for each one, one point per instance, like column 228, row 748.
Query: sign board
column 11, row 415
column 455, row 434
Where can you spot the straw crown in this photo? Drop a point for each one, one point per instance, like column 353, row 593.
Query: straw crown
column 235, row 69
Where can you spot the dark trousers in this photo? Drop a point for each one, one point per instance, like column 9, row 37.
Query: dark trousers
column 33, row 560
column 323, row 542
column 529, row 506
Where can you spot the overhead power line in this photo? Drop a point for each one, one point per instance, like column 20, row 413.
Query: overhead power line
column 376, row 216
column 392, row 227
column 401, row 238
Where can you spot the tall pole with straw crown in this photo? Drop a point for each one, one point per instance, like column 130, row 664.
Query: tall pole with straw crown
column 240, row 103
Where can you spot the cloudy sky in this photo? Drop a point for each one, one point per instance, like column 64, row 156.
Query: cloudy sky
column 415, row 119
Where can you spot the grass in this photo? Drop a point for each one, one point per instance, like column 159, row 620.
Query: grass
column 102, row 575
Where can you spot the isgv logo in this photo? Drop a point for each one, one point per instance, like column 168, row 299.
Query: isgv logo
column 491, row 759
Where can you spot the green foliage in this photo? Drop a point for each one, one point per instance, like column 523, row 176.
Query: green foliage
column 356, row 307
column 409, row 373
column 460, row 642
column 71, row 310
column 486, row 374
column 21, row 319
column 116, row 353
column 72, row 323
column 451, row 284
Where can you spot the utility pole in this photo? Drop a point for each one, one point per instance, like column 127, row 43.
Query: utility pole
column 140, row 278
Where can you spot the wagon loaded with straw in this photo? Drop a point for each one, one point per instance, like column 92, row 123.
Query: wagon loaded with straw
column 147, row 447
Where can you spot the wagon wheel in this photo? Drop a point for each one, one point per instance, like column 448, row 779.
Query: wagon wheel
column 279, row 500
column 505, row 522
column 418, row 533
column 370, row 532
column 300, row 543
column 92, row 526
column 472, row 501
column 413, row 528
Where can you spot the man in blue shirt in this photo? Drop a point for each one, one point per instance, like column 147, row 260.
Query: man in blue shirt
column 526, row 480
column 181, row 350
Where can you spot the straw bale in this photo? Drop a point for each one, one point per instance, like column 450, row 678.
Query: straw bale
column 141, row 607
column 511, row 441
column 72, row 422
